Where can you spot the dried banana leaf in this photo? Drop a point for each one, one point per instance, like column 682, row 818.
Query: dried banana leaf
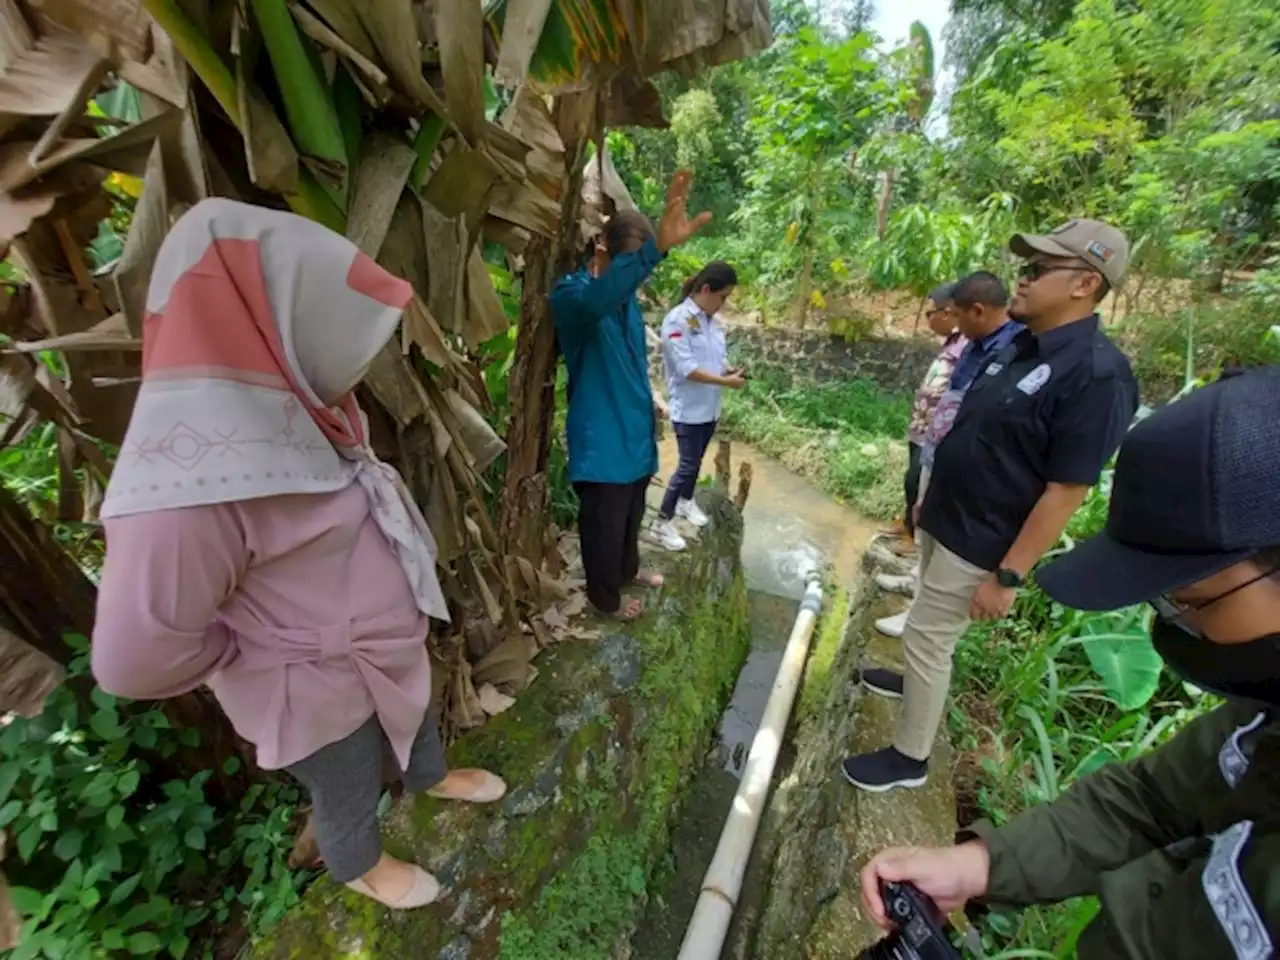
column 460, row 34
column 126, row 151
column 442, row 514
column 375, row 80
column 524, row 205
column 269, row 153
column 54, row 77
column 110, row 334
column 465, row 710
column 507, row 667
column 393, row 31
column 520, row 33
column 446, row 240
column 392, row 381
column 485, row 316
column 420, row 327
column 27, row 676
column 121, row 29
column 461, row 184
column 482, row 442
column 381, row 175
column 344, row 18
column 404, row 250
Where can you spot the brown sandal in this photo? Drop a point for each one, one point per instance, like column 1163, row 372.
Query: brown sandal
column 649, row 579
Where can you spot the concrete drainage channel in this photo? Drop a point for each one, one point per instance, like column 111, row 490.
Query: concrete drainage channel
column 800, row 894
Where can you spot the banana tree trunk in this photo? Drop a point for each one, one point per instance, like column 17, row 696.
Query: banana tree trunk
column 532, row 381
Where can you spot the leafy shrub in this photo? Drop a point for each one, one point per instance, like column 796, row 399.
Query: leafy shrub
column 108, row 861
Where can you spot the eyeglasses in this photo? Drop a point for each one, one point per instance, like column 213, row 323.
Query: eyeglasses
column 1172, row 610
column 1033, row 270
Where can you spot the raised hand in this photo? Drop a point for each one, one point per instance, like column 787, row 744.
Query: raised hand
column 675, row 227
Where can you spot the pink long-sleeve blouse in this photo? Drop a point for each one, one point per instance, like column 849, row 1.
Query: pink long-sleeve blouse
column 293, row 609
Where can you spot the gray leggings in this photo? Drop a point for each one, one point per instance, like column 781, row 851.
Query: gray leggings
column 345, row 782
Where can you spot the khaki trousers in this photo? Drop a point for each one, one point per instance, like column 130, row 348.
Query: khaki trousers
column 938, row 615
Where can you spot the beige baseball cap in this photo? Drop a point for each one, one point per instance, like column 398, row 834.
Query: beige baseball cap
column 1098, row 244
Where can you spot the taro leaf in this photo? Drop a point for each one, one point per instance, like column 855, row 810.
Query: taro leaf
column 1121, row 652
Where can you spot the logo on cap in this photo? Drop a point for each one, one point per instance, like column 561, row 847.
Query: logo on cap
column 1101, row 251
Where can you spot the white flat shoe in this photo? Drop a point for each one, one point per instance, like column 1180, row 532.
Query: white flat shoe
column 491, row 789
column 425, row 890
column 892, row 626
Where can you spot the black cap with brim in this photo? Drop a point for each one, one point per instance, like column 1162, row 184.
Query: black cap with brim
column 1105, row 574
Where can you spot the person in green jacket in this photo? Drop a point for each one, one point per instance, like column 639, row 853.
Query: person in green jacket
column 1182, row 845
column 613, row 450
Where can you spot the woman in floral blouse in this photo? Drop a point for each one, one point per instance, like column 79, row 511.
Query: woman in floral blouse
column 938, row 314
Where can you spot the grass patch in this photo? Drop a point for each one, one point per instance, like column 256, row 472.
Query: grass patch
column 828, row 636
column 848, row 436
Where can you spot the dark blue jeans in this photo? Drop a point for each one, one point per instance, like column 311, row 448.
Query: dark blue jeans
column 692, row 440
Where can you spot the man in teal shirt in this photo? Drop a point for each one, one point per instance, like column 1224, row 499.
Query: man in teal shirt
column 612, row 448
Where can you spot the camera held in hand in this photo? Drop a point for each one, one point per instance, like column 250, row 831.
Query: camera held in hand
column 919, row 935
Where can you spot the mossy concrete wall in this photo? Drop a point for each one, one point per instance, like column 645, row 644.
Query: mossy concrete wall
column 820, row 829
column 597, row 753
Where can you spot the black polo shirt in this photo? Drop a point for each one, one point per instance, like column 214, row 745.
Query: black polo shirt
column 1047, row 408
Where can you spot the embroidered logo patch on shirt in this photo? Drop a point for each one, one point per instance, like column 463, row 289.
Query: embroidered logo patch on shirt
column 1037, row 378
column 994, row 368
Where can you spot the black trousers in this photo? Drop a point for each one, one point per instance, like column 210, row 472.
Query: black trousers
column 911, row 485
column 609, row 521
column 692, row 440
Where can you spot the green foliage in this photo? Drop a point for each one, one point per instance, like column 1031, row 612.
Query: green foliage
column 844, row 434
column 926, row 243
column 107, row 860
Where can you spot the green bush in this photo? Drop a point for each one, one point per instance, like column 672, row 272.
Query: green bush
column 108, row 861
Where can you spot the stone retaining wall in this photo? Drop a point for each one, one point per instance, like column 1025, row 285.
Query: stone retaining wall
column 897, row 365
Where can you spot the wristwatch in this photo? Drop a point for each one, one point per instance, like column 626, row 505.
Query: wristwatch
column 1009, row 578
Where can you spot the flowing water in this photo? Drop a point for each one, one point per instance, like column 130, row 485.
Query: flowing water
column 792, row 529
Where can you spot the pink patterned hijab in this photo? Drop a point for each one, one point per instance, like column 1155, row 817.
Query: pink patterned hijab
column 259, row 325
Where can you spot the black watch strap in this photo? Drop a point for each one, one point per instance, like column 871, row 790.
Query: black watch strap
column 1009, row 578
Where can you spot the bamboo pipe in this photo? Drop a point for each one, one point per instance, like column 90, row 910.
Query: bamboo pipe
column 723, row 881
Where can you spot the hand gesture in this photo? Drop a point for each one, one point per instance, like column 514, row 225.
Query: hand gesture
column 950, row 876
column 599, row 260
column 675, row 227
column 991, row 601
column 734, row 380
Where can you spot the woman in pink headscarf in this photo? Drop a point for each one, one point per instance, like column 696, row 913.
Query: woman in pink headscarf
column 254, row 542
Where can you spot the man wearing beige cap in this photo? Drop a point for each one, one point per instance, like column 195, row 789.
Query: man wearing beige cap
column 1041, row 419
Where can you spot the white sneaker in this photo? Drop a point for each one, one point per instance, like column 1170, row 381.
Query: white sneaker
column 892, row 626
column 689, row 510
column 663, row 532
column 904, row 584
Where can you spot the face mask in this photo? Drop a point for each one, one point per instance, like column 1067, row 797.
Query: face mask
column 1250, row 671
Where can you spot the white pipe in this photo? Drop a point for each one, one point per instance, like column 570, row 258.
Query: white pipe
column 723, row 882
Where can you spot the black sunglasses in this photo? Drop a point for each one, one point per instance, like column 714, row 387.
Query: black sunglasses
column 1033, row 271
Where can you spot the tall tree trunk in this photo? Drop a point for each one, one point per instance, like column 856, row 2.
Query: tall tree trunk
column 884, row 202
column 44, row 596
column 532, row 381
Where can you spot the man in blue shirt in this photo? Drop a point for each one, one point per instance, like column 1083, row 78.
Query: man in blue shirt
column 612, row 448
